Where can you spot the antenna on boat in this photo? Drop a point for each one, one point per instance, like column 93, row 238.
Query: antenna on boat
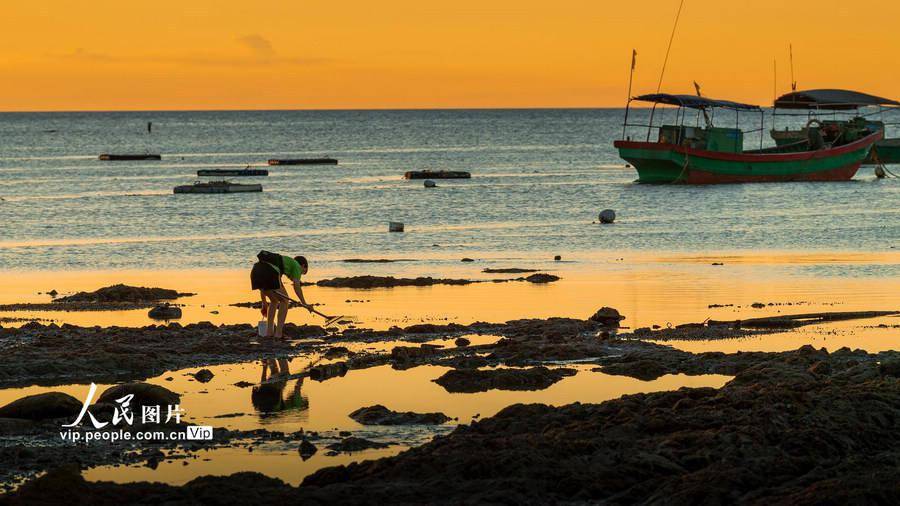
column 628, row 98
column 669, row 48
column 793, row 82
column 774, row 80
column 705, row 114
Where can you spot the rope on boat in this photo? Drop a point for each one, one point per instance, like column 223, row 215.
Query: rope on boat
column 684, row 168
column 879, row 165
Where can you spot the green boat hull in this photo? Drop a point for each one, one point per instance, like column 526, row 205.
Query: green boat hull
column 666, row 163
column 886, row 151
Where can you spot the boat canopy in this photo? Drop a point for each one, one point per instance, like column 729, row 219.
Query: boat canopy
column 834, row 100
column 693, row 101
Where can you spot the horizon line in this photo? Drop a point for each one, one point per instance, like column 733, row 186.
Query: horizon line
column 336, row 109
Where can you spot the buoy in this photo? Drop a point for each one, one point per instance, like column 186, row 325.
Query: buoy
column 395, row 226
column 430, row 184
column 607, row 216
column 557, row 258
column 879, row 172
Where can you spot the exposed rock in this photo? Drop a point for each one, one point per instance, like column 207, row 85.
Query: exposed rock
column 483, row 380
column 380, row 415
column 462, row 341
column 467, row 260
column 607, row 316
column 376, row 260
column 388, row 282
column 145, row 394
column 327, row 371
column 646, row 370
column 307, row 449
column 203, row 375
column 356, row 444
column 42, row 406
column 123, row 293
column 165, row 312
column 542, row 278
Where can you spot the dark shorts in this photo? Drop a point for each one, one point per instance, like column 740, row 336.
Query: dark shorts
column 264, row 277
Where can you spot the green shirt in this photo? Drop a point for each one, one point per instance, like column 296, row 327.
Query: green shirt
column 292, row 267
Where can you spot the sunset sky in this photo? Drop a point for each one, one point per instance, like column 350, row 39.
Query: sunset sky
column 316, row 54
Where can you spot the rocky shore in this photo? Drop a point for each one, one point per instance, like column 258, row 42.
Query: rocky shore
column 791, row 427
column 803, row 427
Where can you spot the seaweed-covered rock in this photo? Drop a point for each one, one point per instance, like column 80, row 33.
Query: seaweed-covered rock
column 123, row 293
column 42, row 406
column 145, row 394
column 482, row 380
column 380, row 415
column 165, row 312
column 356, row 444
column 607, row 316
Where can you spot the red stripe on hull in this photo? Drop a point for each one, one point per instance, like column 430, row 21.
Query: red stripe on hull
column 696, row 176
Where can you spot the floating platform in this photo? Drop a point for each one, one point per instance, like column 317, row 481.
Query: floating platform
column 218, row 187
column 126, row 157
column 440, row 174
column 303, row 161
column 233, row 172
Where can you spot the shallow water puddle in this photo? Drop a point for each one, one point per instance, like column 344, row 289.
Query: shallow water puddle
column 295, row 404
column 280, row 462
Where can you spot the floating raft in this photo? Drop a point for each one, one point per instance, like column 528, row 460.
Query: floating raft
column 233, row 172
column 125, row 157
column 441, row 174
column 218, row 187
column 303, row 161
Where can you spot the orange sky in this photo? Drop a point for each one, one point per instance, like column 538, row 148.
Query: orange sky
column 314, row 54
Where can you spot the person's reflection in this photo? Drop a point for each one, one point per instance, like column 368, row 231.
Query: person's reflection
column 269, row 396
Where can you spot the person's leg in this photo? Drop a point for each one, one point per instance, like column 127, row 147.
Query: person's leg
column 283, row 306
column 270, row 316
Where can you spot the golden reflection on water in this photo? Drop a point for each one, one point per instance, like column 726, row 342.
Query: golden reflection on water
column 329, row 403
column 646, row 293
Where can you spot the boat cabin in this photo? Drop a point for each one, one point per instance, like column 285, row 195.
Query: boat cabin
column 703, row 135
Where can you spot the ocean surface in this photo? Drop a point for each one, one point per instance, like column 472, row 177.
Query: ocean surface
column 539, row 180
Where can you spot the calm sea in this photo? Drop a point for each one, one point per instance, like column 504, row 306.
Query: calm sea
column 540, row 177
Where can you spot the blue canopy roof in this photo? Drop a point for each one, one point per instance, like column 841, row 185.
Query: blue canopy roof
column 693, row 101
column 830, row 99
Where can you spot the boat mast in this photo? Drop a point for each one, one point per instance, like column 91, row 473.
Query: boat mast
column 669, row 48
column 628, row 98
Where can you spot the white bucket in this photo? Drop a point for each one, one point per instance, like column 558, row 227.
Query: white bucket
column 262, row 328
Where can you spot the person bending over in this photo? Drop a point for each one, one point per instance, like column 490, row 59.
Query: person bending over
column 266, row 277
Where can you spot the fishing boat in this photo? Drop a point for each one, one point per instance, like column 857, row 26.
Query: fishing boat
column 218, row 187
column 233, row 172
column 833, row 101
column 709, row 154
column 303, row 161
column 128, row 157
column 438, row 174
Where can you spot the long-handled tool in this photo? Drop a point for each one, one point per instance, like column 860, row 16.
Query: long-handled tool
column 329, row 320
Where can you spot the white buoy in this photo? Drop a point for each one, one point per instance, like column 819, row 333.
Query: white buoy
column 607, row 216
column 430, row 184
column 395, row 226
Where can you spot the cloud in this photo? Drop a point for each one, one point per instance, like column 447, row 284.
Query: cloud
column 262, row 54
column 258, row 45
column 85, row 55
